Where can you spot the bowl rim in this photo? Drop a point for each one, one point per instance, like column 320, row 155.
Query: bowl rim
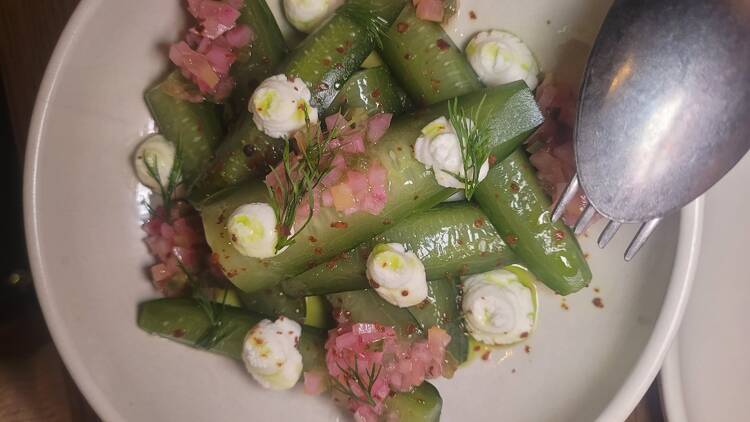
column 670, row 386
column 621, row 405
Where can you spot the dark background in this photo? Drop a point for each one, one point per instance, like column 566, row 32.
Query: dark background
column 34, row 385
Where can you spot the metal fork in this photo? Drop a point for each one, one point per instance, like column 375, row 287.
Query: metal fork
column 664, row 110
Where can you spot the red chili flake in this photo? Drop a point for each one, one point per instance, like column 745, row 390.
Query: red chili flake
column 408, row 56
column 318, row 251
column 492, row 159
column 559, row 235
column 511, row 239
column 585, row 255
column 323, row 86
column 387, row 222
column 234, row 238
column 290, row 78
column 442, row 44
column 404, row 293
column 221, row 218
column 232, row 273
column 265, row 60
column 598, row 302
column 312, row 239
column 339, row 66
column 477, row 348
column 514, row 187
column 399, row 149
column 376, row 93
column 178, row 333
column 460, row 241
column 326, row 62
column 596, row 289
column 411, row 329
column 339, row 225
column 340, row 49
column 331, row 264
column 564, row 306
column 527, row 349
column 486, row 355
column 266, row 264
column 524, row 334
column 257, row 340
column 374, row 284
column 435, row 84
column 479, row 222
column 472, row 14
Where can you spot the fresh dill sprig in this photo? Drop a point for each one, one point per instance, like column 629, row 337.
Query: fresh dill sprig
column 367, row 18
column 474, row 139
column 300, row 175
column 214, row 311
column 173, row 180
column 352, row 376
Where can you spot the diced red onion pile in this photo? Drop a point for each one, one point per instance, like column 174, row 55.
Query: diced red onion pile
column 372, row 347
column 346, row 188
column 178, row 237
column 551, row 146
column 209, row 48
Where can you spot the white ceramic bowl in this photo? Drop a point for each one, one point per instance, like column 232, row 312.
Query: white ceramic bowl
column 706, row 376
column 88, row 258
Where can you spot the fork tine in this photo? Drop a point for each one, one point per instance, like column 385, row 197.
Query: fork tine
column 608, row 233
column 584, row 220
column 567, row 196
column 643, row 234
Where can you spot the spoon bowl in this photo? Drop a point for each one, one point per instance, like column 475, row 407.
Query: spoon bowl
column 665, row 105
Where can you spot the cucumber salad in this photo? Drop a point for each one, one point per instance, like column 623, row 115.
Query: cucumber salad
column 355, row 213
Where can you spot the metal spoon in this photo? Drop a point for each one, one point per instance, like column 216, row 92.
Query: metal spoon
column 664, row 110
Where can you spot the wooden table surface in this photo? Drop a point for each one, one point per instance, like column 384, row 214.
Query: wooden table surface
column 34, row 384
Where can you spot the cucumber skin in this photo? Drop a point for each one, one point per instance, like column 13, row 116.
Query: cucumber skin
column 273, row 302
column 374, row 90
column 244, row 154
column 519, row 209
column 448, row 239
column 183, row 321
column 195, row 127
column 412, row 188
column 442, row 310
column 259, row 59
column 428, row 72
column 367, row 307
column 422, row 404
column 330, row 55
